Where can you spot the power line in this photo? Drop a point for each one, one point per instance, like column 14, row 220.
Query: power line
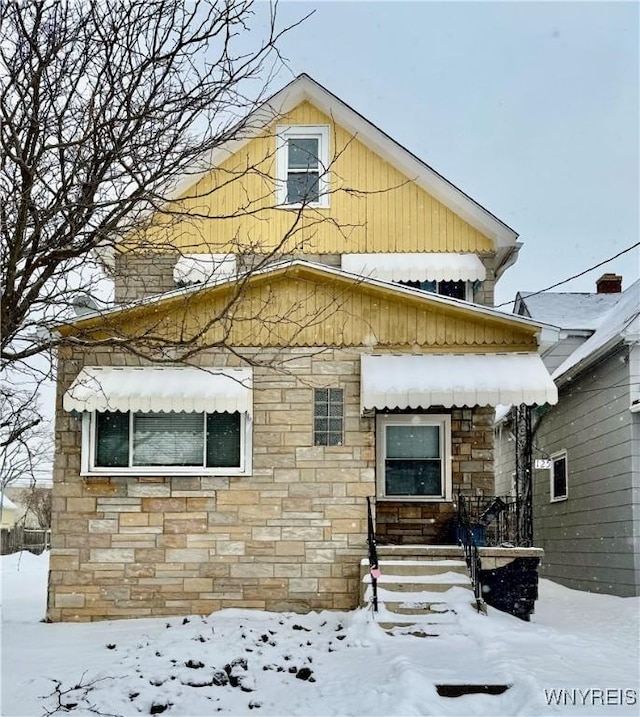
column 575, row 276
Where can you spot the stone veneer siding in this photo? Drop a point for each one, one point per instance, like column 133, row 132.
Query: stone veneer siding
column 404, row 523
column 288, row 537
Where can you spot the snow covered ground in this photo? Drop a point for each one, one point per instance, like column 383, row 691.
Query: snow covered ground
column 579, row 648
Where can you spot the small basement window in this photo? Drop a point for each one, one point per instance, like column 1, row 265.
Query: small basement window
column 328, row 417
column 559, row 487
column 302, row 166
column 157, row 442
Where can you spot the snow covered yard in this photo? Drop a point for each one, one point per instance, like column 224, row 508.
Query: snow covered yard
column 580, row 648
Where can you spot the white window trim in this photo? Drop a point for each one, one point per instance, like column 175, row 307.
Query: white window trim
column 442, row 420
column 553, row 498
column 88, row 467
column 283, row 133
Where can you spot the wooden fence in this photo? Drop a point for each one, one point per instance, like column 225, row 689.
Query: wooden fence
column 20, row 538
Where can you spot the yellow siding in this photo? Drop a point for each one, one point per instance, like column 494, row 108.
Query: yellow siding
column 373, row 208
column 301, row 310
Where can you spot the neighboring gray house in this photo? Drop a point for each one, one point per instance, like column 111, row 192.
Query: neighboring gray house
column 586, row 498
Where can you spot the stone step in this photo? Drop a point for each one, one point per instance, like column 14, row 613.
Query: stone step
column 420, row 552
column 415, row 583
column 415, row 567
column 417, row 603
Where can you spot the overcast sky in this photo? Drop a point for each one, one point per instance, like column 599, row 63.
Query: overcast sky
column 532, row 108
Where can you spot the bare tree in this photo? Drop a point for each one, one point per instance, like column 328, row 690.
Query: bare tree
column 26, row 447
column 38, row 503
column 105, row 106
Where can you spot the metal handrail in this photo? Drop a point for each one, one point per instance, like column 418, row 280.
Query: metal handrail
column 467, row 540
column 374, row 568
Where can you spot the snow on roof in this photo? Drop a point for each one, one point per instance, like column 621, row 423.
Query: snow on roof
column 6, row 502
column 621, row 321
column 581, row 311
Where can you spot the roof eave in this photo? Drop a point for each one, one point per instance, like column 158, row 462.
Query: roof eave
column 287, row 265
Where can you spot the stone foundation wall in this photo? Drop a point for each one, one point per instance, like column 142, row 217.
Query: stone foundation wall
column 399, row 523
column 288, row 537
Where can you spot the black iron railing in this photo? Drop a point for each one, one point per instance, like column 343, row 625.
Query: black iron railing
column 374, row 568
column 466, row 534
column 497, row 521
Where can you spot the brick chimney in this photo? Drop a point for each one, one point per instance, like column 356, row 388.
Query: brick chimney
column 609, row 284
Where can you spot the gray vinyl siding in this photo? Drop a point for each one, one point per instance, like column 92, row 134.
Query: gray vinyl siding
column 634, row 367
column 561, row 351
column 589, row 539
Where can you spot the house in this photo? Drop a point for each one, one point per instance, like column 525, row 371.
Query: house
column 8, row 512
column 342, row 345
column 586, row 505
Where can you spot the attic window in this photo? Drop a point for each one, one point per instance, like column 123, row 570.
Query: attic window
column 302, row 166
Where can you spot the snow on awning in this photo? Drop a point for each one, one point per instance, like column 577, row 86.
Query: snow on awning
column 200, row 268
column 416, row 266
column 410, row 381
column 161, row 388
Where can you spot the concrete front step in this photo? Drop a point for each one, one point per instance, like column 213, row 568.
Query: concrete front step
column 415, row 583
column 416, row 567
column 420, row 552
column 413, row 588
column 412, row 603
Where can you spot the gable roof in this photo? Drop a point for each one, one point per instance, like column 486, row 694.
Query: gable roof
column 7, row 503
column 578, row 311
column 300, row 268
column 304, row 88
column 620, row 323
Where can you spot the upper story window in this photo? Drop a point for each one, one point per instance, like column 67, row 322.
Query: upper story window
column 454, row 289
column 302, row 166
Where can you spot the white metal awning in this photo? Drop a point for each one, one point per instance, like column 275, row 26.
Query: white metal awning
column 200, row 268
column 161, row 388
column 409, row 381
column 416, row 266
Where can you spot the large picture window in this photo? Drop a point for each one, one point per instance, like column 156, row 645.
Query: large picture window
column 413, row 456
column 138, row 442
column 302, row 161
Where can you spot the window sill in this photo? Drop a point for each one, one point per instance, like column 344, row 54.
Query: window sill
column 298, row 207
column 163, row 472
column 558, row 500
column 414, row 499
